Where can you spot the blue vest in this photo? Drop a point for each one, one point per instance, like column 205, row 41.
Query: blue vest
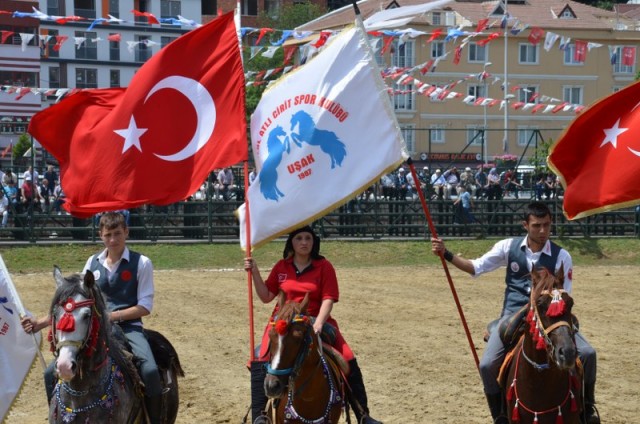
column 120, row 293
column 518, row 279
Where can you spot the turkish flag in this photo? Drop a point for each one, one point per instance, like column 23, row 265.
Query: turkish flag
column 628, row 56
column 598, row 156
column 156, row 141
column 535, row 36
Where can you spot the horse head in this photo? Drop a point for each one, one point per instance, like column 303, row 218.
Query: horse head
column 290, row 337
column 76, row 314
column 305, row 126
column 550, row 321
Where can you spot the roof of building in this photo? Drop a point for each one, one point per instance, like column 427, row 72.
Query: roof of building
column 534, row 13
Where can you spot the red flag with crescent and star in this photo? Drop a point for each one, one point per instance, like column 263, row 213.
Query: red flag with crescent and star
column 155, row 142
column 598, row 156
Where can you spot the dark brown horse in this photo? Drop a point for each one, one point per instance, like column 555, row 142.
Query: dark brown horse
column 542, row 383
column 306, row 383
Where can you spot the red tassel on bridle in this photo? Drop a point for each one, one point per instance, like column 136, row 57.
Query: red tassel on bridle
column 515, row 414
column 559, row 419
column 67, row 322
column 557, row 306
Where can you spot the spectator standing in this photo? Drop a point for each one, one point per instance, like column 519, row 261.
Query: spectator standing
column 32, row 172
column 464, row 199
column 52, row 176
column 4, row 208
column 225, row 180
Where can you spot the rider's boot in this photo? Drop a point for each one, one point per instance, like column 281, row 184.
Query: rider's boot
column 154, row 408
column 258, row 397
column 358, row 398
column 495, row 406
column 590, row 414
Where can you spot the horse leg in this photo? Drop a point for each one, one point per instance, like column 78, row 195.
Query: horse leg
column 258, row 397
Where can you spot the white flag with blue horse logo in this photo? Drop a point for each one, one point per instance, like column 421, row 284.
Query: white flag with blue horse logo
column 17, row 348
column 320, row 136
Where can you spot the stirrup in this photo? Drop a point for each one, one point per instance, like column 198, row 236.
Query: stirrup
column 595, row 414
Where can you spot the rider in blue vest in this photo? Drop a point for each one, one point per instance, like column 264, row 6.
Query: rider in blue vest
column 519, row 255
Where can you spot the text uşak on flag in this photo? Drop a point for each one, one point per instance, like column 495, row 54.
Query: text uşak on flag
column 598, row 156
column 182, row 116
column 320, row 135
column 17, row 348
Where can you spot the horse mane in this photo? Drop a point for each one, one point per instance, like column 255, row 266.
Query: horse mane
column 288, row 310
column 543, row 280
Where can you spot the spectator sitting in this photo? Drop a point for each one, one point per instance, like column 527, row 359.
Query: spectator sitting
column 494, row 190
column 51, row 176
column 44, row 189
column 29, row 193
column 59, row 198
column 512, row 185
column 550, row 185
column 481, row 182
column 225, row 181
column 452, row 177
column 468, row 180
column 4, row 208
column 388, row 186
column 438, row 182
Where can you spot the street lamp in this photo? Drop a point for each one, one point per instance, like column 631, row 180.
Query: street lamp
column 484, row 128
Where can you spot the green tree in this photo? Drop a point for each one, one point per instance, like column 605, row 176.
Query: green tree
column 539, row 158
column 21, row 147
column 288, row 17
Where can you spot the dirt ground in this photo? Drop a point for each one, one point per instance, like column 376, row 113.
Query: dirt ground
column 401, row 322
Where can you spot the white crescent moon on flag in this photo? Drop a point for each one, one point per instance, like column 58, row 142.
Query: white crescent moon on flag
column 205, row 112
column 635, row 152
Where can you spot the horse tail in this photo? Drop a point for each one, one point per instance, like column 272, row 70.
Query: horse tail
column 164, row 352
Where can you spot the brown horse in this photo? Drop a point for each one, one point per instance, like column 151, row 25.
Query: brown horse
column 542, row 383
column 306, row 383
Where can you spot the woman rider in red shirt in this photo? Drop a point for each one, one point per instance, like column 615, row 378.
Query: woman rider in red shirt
column 303, row 270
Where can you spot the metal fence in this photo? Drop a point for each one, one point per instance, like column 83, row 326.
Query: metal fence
column 366, row 217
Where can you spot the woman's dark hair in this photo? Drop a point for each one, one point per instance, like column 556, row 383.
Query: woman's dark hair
column 315, row 250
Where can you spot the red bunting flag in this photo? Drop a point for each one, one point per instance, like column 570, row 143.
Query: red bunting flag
column 182, row 116
column 6, row 150
column 324, row 36
column 5, row 35
column 386, row 44
column 288, row 53
column 580, row 54
column 457, row 55
column 114, row 37
column 535, row 36
column 628, row 56
column 482, row 24
column 60, row 39
column 598, row 156
column 435, row 34
column 150, row 16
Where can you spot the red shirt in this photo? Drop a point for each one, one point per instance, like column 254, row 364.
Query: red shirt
column 319, row 280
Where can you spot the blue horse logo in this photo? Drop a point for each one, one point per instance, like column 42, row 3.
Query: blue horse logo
column 328, row 141
column 5, row 300
column 279, row 142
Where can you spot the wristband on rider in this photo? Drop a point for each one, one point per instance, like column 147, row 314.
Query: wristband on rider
column 448, row 256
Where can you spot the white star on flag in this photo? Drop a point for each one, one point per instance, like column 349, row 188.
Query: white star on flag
column 131, row 135
column 612, row 134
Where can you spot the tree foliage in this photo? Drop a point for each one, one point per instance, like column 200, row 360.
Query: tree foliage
column 22, row 145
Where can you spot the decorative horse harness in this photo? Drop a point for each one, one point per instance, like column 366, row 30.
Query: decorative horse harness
column 67, row 324
column 290, row 413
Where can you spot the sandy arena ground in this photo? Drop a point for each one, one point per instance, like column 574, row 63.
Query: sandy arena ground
column 401, row 322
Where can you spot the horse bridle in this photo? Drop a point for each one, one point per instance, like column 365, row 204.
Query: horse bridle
column 69, row 306
column 302, row 353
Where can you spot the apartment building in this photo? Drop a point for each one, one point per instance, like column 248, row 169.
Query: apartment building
column 472, row 79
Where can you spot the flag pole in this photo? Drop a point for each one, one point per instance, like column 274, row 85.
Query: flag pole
column 252, row 356
column 434, row 234
column 21, row 311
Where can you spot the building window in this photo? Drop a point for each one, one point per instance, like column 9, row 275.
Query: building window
column 249, row 7
column 88, row 49
column 143, row 52
column 114, row 78
column 436, row 132
column 403, row 54
column 478, row 53
column 572, row 94
column 166, row 40
column 114, row 8
column 404, row 98
column 569, row 55
column 53, row 8
column 408, row 133
column 114, row 49
column 272, row 8
column 47, row 50
column 436, row 18
column 528, row 54
column 170, row 8
column 477, row 90
column 142, row 7
column 474, row 135
column 437, row 49
column 528, row 94
column 618, row 67
column 54, row 77
column 527, row 135
column 85, row 8
column 86, row 78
